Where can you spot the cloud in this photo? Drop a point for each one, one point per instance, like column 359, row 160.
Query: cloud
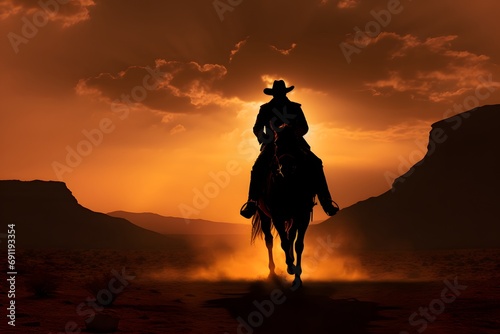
column 70, row 13
column 177, row 129
column 237, row 48
column 167, row 118
column 183, row 95
column 167, row 87
column 284, row 52
column 8, row 9
column 428, row 69
column 268, row 79
column 345, row 4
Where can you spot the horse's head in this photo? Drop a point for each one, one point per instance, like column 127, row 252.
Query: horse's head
column 286, row 151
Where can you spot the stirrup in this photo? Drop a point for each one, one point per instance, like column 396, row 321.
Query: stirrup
column 248, row 209
column 330, row 207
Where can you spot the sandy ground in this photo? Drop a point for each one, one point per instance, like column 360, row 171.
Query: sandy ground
column 221, row 288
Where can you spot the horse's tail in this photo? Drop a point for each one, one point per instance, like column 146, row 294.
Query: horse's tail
column 256, row 227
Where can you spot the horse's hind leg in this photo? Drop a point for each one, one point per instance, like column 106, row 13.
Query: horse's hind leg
column 299, row 248
column 268, row 237
column 291, row 239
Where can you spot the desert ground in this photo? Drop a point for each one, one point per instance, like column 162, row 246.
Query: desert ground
column 221, row 285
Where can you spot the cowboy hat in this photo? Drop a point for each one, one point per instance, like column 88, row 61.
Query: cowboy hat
column 279, row 87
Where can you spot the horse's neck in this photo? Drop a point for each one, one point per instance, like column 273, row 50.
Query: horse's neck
column 287, row 149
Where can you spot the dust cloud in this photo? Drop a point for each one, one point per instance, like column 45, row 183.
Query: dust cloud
column 232, row 257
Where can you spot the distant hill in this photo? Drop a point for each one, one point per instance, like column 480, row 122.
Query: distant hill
column 46, row 215
column 174, row 225
column 447, row 200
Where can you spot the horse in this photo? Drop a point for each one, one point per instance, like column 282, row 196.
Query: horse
column 287, row 202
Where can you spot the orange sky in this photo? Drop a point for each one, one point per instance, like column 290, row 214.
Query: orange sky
column 158, row 98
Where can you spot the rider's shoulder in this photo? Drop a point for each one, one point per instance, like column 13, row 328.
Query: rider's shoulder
column 295, row 104
column 266, row 105
column 270, row 105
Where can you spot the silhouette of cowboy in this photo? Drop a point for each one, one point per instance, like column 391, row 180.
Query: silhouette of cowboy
column 275, row 114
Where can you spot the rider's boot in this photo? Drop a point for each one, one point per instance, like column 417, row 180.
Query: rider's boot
column 250, row 207
column 327, row 204
column 325, row 199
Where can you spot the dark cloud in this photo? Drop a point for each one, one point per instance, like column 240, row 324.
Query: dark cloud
column 66, row 12
column 429, row 69
column 418, row 60
column 170, row 86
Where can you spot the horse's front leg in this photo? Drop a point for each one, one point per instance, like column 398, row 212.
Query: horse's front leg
column 299, row 248
column 285, row 245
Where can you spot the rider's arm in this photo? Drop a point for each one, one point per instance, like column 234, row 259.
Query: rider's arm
column 300, row 124
column 258, row 128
